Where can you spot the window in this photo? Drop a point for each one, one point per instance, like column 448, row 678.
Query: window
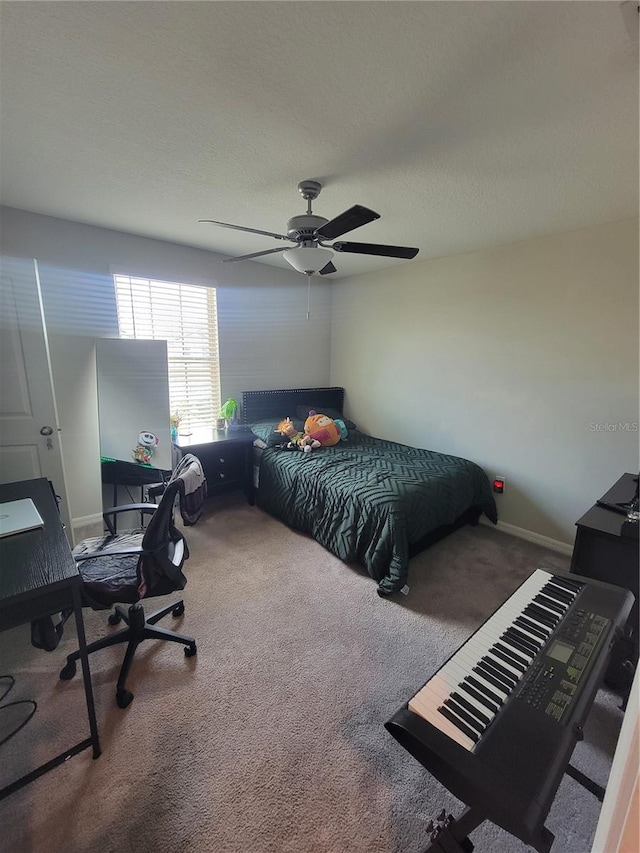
column 183, row 315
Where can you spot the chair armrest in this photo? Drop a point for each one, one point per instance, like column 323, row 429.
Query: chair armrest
column 114, row 510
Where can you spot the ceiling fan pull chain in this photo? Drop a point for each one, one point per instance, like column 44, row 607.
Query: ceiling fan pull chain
column 308, row 296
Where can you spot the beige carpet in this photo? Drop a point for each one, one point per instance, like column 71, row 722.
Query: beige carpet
column 272, row 738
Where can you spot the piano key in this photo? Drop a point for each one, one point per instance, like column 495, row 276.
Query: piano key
column 533, row 632
column 459, row 724
column 484, row 639
column 525, row 638
column 566, row 583
column 498, row 694
column 473, row 688
column 485, row 672
column 446, row 686
column 494, row 688
column 518, row 647
column 549, row 603
column 500, row 654
column 431, row 699
column 431, row 716
column 558, row 592
column 537, row 604
column 516, row 656
column 469, row 651
column 472, row 707
column 462, row 714
column 509, row 675
column 536, row 614
column 527, row 625
column 554, row 591
column 521, row 642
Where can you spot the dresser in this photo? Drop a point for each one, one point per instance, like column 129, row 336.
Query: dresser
column 226, row 457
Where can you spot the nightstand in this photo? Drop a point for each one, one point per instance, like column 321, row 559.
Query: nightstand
column 226, row 457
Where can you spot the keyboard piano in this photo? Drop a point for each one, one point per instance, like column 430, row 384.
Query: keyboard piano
column 497, row 724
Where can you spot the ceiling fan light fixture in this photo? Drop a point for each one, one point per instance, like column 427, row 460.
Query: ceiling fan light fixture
column 308, row 259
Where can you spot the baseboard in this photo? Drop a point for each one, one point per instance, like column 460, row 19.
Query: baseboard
column 531, row 536
column 87, row 525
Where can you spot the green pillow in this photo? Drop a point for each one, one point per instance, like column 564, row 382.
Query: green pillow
column 303, row 412
column 266, row 430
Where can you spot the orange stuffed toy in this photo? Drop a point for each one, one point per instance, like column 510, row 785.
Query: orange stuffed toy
column 322, row 428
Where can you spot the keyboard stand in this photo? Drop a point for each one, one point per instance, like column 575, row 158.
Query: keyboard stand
column 452, row 836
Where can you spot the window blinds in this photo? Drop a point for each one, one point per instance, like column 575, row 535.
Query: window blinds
column 185, row 316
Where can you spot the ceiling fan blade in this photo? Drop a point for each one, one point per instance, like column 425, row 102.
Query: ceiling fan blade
column 253, row 255
column 347, row 221
column 250, row 230
column 376, row 249
column 328, row 269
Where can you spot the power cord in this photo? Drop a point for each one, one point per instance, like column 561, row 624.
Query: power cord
column 32, row 702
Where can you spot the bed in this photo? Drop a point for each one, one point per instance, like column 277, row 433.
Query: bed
column 367, row 500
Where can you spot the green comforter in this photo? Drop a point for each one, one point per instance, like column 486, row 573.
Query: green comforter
column 368, row 500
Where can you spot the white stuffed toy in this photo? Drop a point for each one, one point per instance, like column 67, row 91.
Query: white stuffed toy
column 147, row 442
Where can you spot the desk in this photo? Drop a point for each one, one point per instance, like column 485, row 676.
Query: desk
column 603, row 553
column 39, row 577
column 118, row 472
column 225, row 455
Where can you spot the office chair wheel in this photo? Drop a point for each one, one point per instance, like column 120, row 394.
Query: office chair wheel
column 68, row 670
column 190, row 651
column 115, row 619
column 178, row 610
column 123, row 698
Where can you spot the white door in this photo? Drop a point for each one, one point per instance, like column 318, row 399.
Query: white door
column 29, row 431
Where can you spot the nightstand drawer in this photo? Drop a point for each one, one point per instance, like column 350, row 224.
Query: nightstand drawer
column 225, row 463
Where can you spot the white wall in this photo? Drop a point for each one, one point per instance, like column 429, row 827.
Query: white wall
column 265, row 338
column 508, row 357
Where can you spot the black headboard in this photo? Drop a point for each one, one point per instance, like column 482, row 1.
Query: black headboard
column 263, row 405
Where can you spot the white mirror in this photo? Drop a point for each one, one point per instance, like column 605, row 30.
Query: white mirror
column 133, row 398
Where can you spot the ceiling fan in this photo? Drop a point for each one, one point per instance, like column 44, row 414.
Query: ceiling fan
column 310, row 232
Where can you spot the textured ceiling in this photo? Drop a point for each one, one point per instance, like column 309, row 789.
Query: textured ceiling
column 464, row 124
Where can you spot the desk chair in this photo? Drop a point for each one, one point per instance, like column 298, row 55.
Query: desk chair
column 127, row 567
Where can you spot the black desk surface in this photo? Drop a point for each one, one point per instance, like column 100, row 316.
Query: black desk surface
column 123, row 473
column 603, row 519
column 35, row 559
column 210, row 435
column 38, row 577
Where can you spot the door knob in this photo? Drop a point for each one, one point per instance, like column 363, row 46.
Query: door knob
column 46, row 430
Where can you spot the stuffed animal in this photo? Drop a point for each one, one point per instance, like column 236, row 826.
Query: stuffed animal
column 147, row 441
column 297, row 439
column 287, row 428
column 322, row 428
column 344, row 432
column 306, row 443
